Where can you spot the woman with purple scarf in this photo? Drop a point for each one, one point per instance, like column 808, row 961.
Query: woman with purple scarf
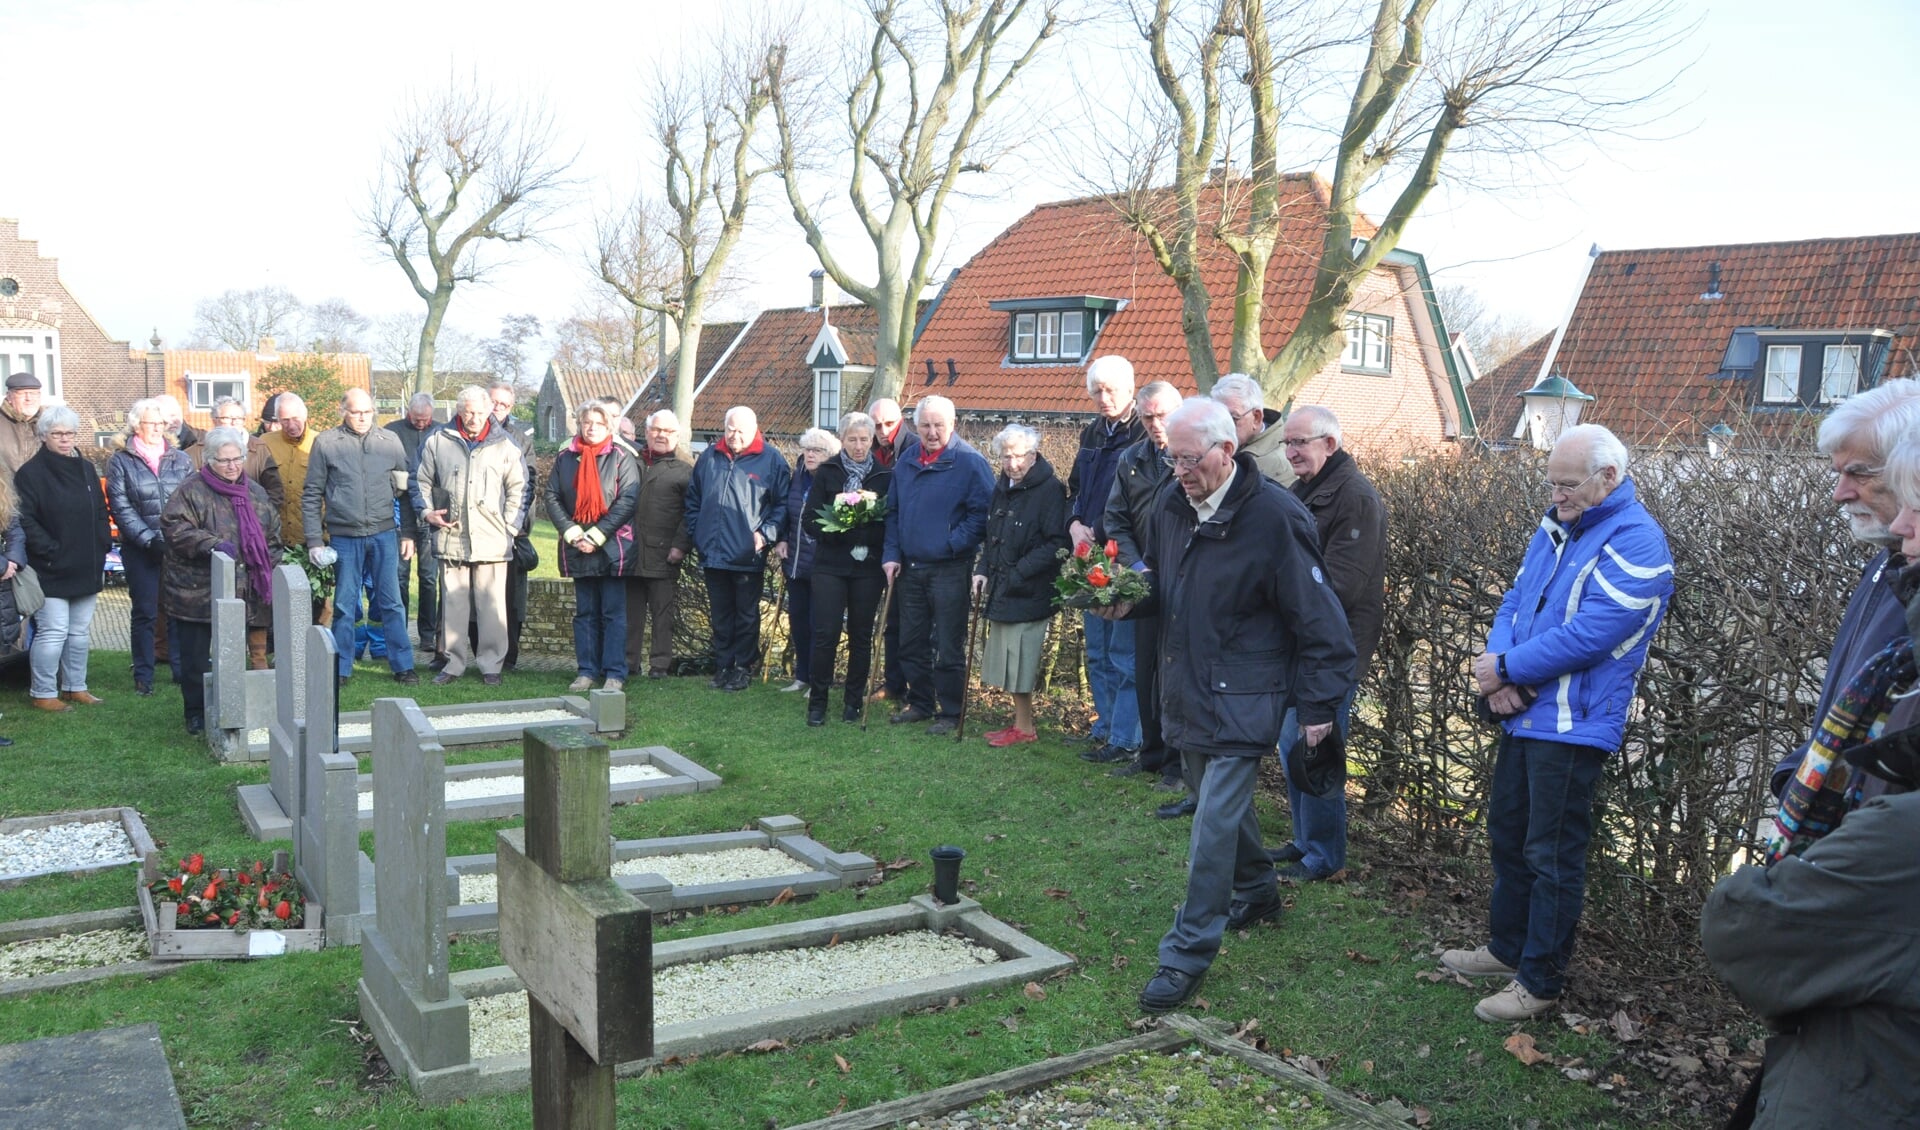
column 217, row 508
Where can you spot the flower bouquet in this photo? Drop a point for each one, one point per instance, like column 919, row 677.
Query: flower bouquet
column 236, row 899
column 1087, row 578
column 319, row 577
column 849, row 511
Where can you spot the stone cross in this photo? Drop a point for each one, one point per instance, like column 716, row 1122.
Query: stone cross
column 292, row 614
column 582, row 946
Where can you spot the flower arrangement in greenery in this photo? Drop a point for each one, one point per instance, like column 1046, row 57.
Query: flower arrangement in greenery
column 319, row 577
column 1088, row 578
column 850, row 510
column 238, row 899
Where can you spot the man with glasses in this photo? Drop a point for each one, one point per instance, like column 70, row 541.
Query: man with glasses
column 412, row 430
column 1248, row 629
column 660, row 545
column 1858, row 436
column 354, row 475
column 228, row 412
column 1352, row 526
column 1256, row 428
column 525, row 557
column 1559, row 667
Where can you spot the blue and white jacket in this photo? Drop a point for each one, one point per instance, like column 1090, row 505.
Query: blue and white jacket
column 1576, row 623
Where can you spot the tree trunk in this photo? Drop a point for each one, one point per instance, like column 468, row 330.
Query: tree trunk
column 429, row 333
column 686, row 374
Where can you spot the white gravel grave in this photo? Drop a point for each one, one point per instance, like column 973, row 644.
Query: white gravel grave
column 65, row 847
column 479, row 788
column 682, row 869
column 37, row 957
column 350, row 731
column 748, row 981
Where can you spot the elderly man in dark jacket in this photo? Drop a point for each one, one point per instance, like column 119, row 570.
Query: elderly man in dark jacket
column 354, row 473
column 1353, row 542
column 736, row 506
column 1249, row 630
column 1136, row 483
column 660, row 543
column 1110, row 644
column 936, row 516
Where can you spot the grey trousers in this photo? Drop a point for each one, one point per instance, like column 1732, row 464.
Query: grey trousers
column 1227, row 861
column 478, row 591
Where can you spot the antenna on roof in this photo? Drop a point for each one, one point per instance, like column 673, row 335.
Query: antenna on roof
column 930, row 373
column 953, row 371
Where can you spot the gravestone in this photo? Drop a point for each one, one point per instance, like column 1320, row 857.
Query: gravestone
column 582, row 946
column 421, row 1025
column 292, row 615
column 101, row 1080
column 239, row 700
column 326, row 837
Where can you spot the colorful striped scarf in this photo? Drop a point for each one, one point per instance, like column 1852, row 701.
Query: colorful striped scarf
column 1826, row 788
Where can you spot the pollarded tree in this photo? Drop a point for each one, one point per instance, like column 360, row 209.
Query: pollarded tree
column 462, row 170
column 916, row 118
column 1488, row 78
column 241, row 319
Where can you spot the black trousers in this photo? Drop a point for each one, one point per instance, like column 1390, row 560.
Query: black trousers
column 196, row 659
column 427, row 566
column 735, row 597
column 857, row 601
column 893, row 677
column 516, row 605
column 933, row 634
column 1154, row 754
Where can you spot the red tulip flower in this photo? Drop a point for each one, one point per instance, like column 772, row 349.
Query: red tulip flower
column 1083, row 550
column 1113, row 549
column 1097, row 577
column 283, row 910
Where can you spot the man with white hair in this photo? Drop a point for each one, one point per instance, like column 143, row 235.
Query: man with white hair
column 1858, row 436
column 660, row 543
column 290, row 443
column 1257, row 427
column 1559, row 667
column 936, row 520
column 1248, row 629
column 466, row 488
column 736, row 504
column 890, row 436
column 1110, row 643
column 525, row 557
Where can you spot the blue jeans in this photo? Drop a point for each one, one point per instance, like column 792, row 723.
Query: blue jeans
column 1319, row 823
column 1110, row 675
column 1539, row 819
column 370, row 563
column 600, row 627
column 61, row 640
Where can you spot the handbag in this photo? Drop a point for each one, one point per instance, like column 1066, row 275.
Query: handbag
column 525, row 557
column 28, row 596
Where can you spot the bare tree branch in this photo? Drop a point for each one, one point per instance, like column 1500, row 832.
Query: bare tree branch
column 240, row 319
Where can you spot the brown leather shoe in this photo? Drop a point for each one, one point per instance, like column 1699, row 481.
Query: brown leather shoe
column 51, row 705
column 82, row 697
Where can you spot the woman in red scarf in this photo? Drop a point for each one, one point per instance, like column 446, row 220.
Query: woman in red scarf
column 591, row 496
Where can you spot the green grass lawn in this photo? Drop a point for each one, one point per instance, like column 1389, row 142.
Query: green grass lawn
column 1066, row 853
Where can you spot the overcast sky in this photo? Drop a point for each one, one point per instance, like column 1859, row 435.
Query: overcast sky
column 165, row 152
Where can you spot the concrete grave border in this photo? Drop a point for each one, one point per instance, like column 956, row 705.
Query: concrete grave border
column 81, row 922
column 1023, row 959
column 129, row 819
column 831, row 870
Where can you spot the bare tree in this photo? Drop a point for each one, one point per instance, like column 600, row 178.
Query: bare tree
column 240, row 319
column 506, row 353
column 1499, row 79
column 605, row 334
column 915, row 117
column 334, row 326
column 462, row 170
column 1492, row 336
column 672, row 258
column 394, row 345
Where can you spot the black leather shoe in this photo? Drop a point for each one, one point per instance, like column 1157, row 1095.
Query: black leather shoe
column 720, row 677
column 343, row 681
column 490, row 680
column 908, row 716
column 5, row 742
column 1185, row 806
column 850, row 714
column 1130, row 769
column 1107, row 754
column 942, row 727
column 1286, row 853
column 143, row 688
column 1297, row 872
column 816, row 716
column 1168, row 990
column 1170, row 783
column 442, row 679
column 1241, row 915
column 196, row 726
column 407, row 678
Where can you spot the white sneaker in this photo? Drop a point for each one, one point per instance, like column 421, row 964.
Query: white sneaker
column 1514, row 1004
column 614, row 685
column 580, row 684
column 796, row 685
column 1476, row 963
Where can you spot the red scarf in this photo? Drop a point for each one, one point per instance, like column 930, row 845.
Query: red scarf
column 929, row 458
column 589, row 504
column 486, row 426
column 753, row 448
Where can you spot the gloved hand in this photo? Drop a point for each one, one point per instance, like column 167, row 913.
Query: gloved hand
column 227, row 548
column 322, row 556
column 1893, row 757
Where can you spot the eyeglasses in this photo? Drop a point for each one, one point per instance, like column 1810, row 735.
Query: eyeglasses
column 1564, row 488
column 1239, row 416
column 233, row 462
column 62, row 435
column 1188, row 462
column 1300, row 442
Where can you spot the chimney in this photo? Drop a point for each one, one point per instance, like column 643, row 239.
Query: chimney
column 666, row 333
column 819, row 277
column 931, row 375
column 266, row 346
column 953, row 372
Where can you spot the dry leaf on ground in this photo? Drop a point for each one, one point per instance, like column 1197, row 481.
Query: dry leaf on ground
column 1520, row 1046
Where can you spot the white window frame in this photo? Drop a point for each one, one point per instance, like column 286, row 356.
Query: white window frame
column 1046, row 338
column 1023, row 337
column 1369, row 343
column 826, row 383
column 35, row 350
column 1830, row 369
column 197, row 383
column 1073, row 335
column 1790, row 374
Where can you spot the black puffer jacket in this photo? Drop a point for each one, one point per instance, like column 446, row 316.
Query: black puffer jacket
column 64, row 514
column 1136, row 487
column 613, row 532
column 833, row 553
column 138, row 495
column 11, row 643
column 1026, row 530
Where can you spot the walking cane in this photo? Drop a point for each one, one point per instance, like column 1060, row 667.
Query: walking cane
column 779, row 618
column 966, row 675
column 876, row 654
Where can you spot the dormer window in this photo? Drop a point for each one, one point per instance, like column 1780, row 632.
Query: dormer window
column 1054, row 331
column 1807, row 369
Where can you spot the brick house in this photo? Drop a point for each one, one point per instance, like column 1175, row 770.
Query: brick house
column 199, row 377
column 795, row 367
column 1693, row 345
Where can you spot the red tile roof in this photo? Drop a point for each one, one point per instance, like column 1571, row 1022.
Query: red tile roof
column 1647, row 344
column 767, row 370
column 715, row 339
column 1084, row 247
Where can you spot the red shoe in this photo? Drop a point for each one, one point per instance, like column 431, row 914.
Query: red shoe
column 1012, row 736
column 999, row 737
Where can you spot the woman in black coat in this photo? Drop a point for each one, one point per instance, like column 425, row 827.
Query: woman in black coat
column 590, row 497
column 847, row 582
column 141, row 477
column 1026, row 530
column 64, row 515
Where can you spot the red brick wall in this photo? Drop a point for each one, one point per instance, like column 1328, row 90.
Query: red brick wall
column 1392, row 413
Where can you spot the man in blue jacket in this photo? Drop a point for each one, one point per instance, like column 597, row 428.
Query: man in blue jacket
column 1559, row 669
column 736, row 504
column 936, row 519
